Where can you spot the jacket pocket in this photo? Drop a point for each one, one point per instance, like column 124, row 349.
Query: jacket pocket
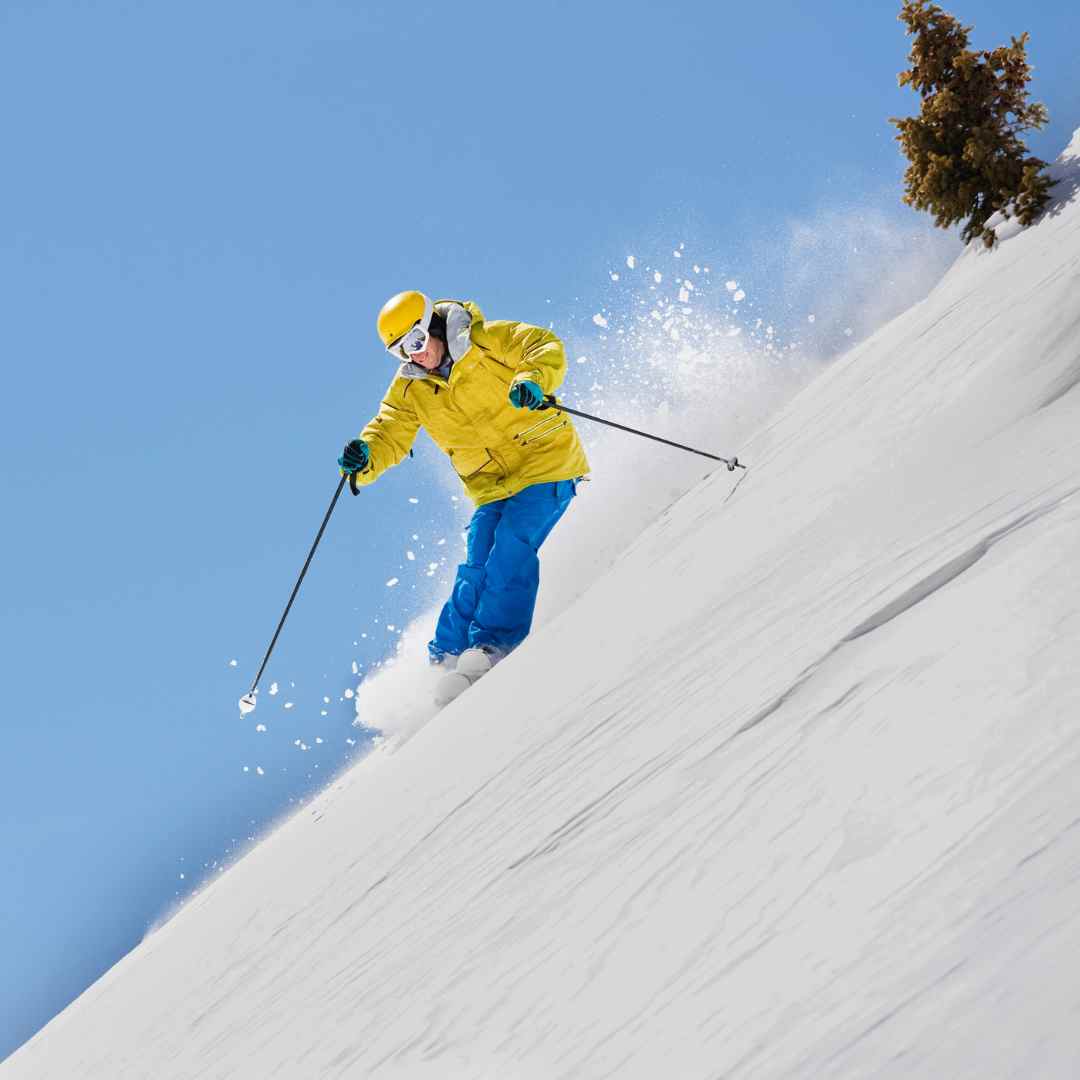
column 469, row 463
column 548, row 426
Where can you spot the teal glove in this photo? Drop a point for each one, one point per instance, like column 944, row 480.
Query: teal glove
column 526, row 395
column 355, row 458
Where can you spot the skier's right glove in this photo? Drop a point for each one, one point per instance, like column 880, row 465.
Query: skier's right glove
column 355, row 458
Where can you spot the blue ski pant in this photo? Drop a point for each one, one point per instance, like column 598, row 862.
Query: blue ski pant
column 494, row 593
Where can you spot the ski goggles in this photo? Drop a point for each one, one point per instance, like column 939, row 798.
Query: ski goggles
column 413, row 341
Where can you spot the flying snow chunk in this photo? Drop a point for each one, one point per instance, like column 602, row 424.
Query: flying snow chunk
column 677, row 254
column 811, row 318
column 731, row 286
column 657, row 276
column 738, row 295
column 259, row 770
column 414, row 501
column 614, row 276
column 392, row 582
column 631, row 261
column 348, row 693
column 232, row 663
column 288, row 704
column 273, row 689
column 848, row 331
column 260, row 727
column 411, row 556
column 684, row 296
column 599, row 319
column 582, row 359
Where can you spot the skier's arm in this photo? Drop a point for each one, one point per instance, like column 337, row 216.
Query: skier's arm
column 535, row 354
column 390, row 435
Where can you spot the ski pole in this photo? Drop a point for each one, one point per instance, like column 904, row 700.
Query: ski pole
column 247, row 702
column 732, row 463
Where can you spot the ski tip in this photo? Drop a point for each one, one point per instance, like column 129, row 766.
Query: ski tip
column 449, row 687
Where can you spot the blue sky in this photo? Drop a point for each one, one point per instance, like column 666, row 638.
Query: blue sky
column 203, row 208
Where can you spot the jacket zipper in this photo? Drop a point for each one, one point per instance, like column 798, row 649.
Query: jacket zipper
column 543, row 434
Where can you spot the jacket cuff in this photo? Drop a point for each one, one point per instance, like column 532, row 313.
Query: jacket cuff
column 529, row 376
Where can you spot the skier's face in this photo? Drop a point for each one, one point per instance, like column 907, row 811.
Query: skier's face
column 432, row 356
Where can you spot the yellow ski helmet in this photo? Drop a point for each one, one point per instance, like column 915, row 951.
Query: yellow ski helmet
column 401, row 313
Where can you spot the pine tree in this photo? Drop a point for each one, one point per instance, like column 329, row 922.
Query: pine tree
column 966, row 156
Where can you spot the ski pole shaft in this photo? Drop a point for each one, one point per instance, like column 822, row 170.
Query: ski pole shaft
column 732, row 463
column 296, row 587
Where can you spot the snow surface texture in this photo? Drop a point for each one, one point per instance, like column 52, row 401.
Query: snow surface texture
column 788, row 792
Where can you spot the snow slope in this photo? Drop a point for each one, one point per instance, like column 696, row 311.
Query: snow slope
column 789, row 792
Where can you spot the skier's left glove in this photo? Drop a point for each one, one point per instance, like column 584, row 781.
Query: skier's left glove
column 526, row 395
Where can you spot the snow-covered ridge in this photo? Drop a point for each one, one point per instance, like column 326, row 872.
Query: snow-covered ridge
column 788, row 792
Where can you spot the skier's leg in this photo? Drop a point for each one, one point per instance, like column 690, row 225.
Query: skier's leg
column 503, row 616
column 452, row 629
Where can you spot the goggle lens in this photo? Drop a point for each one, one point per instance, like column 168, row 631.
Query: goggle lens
column 412, row 341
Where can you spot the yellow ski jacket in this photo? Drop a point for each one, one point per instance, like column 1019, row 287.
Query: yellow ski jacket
column 496, row 448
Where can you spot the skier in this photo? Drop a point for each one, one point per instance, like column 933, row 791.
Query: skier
column 473, row 384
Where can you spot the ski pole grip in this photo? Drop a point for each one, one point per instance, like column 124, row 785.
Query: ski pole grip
column 549, row 401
